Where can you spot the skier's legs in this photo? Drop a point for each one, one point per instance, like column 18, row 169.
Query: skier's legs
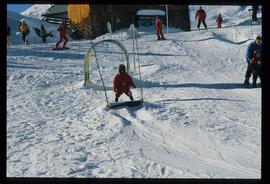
column 248, row 73
column 23, row 36
column 66, row 40
column 204, row 24
column 162, row 36
column 26, row 38
column 158, row 34
column 129, row 94
column 254, row 16
column 199, row 24
column 117, row 95
column 255, row 76
column 60, row 40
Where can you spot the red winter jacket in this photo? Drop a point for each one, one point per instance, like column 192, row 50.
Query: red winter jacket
column 219, row 20
column 122, row 82
column 158, row 25
column 200, row 14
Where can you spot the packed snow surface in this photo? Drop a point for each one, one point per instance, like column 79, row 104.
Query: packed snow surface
column 196, row 120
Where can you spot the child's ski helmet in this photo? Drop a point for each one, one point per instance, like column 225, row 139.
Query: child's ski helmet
column 122, row 67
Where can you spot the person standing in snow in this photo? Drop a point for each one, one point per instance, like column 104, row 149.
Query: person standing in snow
column 255, row 8
column 24, row 30
column 201, row 15
column 250, row 54
column 121, row 83
column 158, row 27
column 256, row 65
column 62, row 29
column 219, row 20
column 8, row 35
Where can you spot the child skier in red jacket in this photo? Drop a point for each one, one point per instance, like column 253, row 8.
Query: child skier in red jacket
column 219, row 20
column 121, row 83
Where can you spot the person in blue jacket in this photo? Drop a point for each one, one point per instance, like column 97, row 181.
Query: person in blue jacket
column 254, row 47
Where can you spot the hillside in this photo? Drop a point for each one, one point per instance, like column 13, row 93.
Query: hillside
column 196, row 120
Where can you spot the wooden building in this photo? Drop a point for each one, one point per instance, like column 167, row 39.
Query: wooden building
column 92, row 19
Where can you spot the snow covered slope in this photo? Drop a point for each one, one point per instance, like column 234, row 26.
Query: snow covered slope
column 13, row 21
column 232, row 15
column 196, row 121
column 36, row 10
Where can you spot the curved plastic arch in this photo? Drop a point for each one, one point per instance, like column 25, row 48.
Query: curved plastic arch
column 87, row 81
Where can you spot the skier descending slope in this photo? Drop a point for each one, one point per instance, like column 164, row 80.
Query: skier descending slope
column 201, row 15
column 62, row 35
column 254, row 46
column 158, row 27
column 24, row 30
column 219, row 20
column 121, row 83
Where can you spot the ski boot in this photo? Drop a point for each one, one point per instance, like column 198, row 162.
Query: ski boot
column 246, row 83
column 254, row 85
column 116, row 99
column 131, row 98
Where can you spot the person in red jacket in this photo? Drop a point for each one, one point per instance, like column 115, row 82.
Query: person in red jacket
column 121, row 83
column 219, row 20
column 201, row 15
column 62, row 29
column 158, row 27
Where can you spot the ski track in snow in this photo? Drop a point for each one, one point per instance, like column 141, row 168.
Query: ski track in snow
column 196, row 121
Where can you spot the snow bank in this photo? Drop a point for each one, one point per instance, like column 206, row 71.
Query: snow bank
column 13, row 21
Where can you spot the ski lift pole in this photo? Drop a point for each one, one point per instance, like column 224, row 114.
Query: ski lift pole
column 250, row 23
column 139, row 66
column 133, row 37
column 100, row 74
column 167, row 19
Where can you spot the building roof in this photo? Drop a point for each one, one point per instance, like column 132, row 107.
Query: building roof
column 55, row 9
column 152, row 12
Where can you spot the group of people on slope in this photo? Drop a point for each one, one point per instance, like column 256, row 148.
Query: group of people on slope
column 201, row 16
column 24, row 30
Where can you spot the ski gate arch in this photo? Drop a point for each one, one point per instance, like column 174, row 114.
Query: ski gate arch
column 91, row 52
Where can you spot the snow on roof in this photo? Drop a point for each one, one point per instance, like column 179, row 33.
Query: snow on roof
column 150, row 12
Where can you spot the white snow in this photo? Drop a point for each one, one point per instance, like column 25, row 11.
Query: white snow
column 196, row 121
column 36, row 10
column 232, row 15
column 13, row 21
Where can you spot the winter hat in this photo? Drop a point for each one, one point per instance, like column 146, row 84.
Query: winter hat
column 122, row 67
column 258, row 37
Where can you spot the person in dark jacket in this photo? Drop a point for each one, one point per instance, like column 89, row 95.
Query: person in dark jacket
column 121, row 83
column 158, row 27
column 254, row 46
column 62, row 29
column 255, row 8
column 8, row 35
column 219, row 20
column 201, row 15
